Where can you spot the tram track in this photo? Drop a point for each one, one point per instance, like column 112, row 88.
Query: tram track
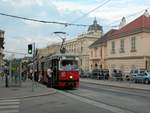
column 97, row 103
column 122, row 91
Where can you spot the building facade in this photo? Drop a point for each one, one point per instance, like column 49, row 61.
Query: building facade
column 50, row 49
column 128, row 48
column 98, row 52
column 125, row 48
column 79, row 45
column 1, row 47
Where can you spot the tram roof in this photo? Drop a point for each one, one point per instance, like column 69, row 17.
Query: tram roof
column 58, row 55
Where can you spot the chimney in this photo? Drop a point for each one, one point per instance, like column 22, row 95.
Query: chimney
column 122, row 23
column 146, row 13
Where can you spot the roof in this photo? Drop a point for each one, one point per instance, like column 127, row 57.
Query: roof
column 58, row 55
column 95, row 26
column 136, row 26
column 103, row 39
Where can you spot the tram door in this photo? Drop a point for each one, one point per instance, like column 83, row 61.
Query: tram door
column 55, row 68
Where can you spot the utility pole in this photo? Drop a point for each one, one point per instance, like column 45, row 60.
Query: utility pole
column 31, row 50
column 33, row 67
column 20, row 75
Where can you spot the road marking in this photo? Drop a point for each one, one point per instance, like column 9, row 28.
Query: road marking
column 9, row 106
column 10, row 111
column 6, row 103
column 11, row 100
column 97, row 104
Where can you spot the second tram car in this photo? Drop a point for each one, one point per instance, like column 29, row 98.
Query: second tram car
column 65, row 70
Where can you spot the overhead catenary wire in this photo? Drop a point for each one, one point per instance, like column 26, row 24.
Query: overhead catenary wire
column 86, row 14
column 127, row 16
column 12, row 52
column 42, row 21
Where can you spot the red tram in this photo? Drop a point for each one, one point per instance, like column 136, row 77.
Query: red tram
column 65, row 71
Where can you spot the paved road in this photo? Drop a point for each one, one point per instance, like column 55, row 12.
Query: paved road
column 89, row 98
column 58, row 103
column 129, row 100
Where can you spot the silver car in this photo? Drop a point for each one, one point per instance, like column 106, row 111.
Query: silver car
column 142, row 77
column 135, row 72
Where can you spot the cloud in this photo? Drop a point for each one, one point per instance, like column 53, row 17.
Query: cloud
column 23, row 3
column 63, row 6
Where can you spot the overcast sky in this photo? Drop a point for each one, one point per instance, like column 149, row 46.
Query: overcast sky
column 19, row 33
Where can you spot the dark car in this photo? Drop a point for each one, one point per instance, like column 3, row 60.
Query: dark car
column 100, row 74
column 106, row 73
column 117, row 74
column 81, row 73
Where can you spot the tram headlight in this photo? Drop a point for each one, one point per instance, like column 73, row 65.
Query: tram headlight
column 71, row 77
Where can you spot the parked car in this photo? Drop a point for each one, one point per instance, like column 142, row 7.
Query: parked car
column 87, row 74
column 106, row 73
column 135, row 72
column 81, row 73
column 84, row 73
column 95, row 73
column 142, row 77
column 100, row 74
column 117, row 74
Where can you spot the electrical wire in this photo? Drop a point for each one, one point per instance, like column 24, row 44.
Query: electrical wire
column 15, row 52
column 42, row 21
column 105, row 2
column 128, row 16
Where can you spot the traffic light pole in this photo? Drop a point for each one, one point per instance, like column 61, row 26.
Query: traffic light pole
column 33, row 66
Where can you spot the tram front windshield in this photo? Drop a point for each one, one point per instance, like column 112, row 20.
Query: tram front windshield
column 69, row 64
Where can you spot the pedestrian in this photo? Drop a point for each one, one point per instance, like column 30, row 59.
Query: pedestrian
column 31, row 74
column 40, row 77
column 49, row 75
column 2, row 75
column 6, row 78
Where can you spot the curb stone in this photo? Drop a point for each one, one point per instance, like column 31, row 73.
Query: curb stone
column 115, row 86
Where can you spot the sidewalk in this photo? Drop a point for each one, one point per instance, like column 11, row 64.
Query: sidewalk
column 117, row 84
column 25, row 91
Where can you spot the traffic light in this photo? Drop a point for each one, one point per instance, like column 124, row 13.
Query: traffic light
column 30, row 49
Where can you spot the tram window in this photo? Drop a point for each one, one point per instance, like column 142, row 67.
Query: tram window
column 69, row 64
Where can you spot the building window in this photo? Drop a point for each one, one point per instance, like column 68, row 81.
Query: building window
column 113, row 47
column 91, row 53
column 81, row 62
column 133, row 44
column 81, row 49
column 122, row 46
column 95, row 50
column 100, row 53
